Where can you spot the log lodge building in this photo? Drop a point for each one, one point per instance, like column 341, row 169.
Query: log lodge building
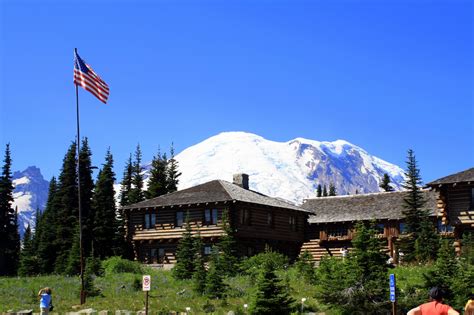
column 322, row 226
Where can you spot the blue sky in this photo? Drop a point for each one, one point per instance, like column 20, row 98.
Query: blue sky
column 384, row 75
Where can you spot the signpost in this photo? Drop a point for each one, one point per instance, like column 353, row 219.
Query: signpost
column 146, row 287
column 392, row 294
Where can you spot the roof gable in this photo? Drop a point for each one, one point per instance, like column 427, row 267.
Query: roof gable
column 213, row 191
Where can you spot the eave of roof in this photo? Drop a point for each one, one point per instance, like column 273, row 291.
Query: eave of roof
column 460, row 177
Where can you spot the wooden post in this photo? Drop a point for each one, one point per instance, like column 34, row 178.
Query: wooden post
column 394, row 308
column 146, row 302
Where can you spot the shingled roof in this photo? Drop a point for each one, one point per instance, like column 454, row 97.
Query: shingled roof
column 213, row 191
column 385, row 205
column 464, row 176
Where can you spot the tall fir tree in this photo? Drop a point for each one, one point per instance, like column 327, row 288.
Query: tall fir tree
column 332, row 190
column 215, row 286
column 126, row 184
column 158, row 182
column 319, row 191
column 67, row 212
column 271, row 296
column 9, row 251
column 185, row 253
column 416, row 216
column 105, row 224
column 199, row 276
column 325, row 191
column 385, row 183
column 136, row 193
column 45, row 235
column 87, row 192
column 28, row 259
column 229, row 262
column 173, row 173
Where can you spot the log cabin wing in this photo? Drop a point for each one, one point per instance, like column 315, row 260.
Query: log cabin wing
column 456, row 201
column 155, row 226
column 331, row 224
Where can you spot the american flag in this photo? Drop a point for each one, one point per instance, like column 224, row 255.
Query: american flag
column 86, row 77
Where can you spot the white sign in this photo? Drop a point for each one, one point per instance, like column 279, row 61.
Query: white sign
column 146, row 283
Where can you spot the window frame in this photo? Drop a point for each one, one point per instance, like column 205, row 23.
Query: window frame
column 177, row 220
column 149, row 221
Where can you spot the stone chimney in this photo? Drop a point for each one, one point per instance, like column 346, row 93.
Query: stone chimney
column 241, row 180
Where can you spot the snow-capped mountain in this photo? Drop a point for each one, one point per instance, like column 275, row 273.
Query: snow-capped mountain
column 289, row 170
column 30, row 193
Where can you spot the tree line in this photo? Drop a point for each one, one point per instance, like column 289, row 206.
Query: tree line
column 54, row 245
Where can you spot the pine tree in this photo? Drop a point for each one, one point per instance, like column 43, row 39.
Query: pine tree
column 185, row 253
column 172, row 172
column 385, row 183
column 157, row 184
column 332, row 190
column 67, row 212
column 199, row 276
column 271, row 297
column 136, row 193
column 215, row 286
column 105, row 224
column 9, row 251
column 73, row 263
column 229, row 262
column 87, row 192
column 325, row 191
column 126, row 184
column 427, row 242
column 319, row 191
column 45, row 235
column 28, row 258
column 305, row 267
column 416, row 217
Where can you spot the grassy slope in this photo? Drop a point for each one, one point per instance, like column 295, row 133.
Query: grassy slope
column 118, row 293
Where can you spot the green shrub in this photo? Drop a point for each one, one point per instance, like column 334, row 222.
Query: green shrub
column 117, row 264
column 274, row 260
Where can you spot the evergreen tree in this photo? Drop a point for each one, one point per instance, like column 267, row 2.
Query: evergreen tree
column 28, row 258
column 9, row 250
column 199, row 276
column 185, row 253
column 215, row 286
column 325, row 191
column 66, row 218
column 105, row 224
column 332, row 190
column 87, row 189
column 172, row 172
column 427, row 242
column 385, row 183
column 73, row 263
column 158, row 182
column 271, row 296
column 319, row 191
column 136, row 193
column 229, row 262
column 126, row 185
column 416, row 217
column 45, row 235
column 305, row 267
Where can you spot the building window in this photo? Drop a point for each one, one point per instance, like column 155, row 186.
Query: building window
column 161, row 255
column 472, row 198
column 210, row 216
column 403, row 228
column 150, row 220
column 339, row 231
column 293, row 223
column 270, row 219
column 207, row 249
column 250, row 251
column 179, row 218
column 245, row 217
column 153, row 257
column 380, row 228
column 444, row 228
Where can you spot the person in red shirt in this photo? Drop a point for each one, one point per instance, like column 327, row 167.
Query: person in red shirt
column 435, row 306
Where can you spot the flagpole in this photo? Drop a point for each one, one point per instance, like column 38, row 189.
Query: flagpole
column 83, row 296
